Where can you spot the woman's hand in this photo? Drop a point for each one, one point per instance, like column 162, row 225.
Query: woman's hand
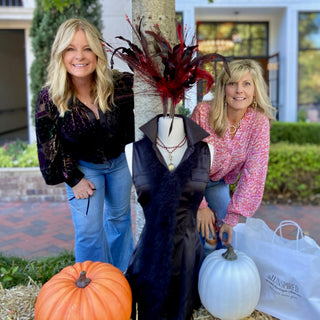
column 83, row 189
column 226, row 228
column 205, row 222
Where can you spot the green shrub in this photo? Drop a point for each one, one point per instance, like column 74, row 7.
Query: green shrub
column 184, row 111
column 5, row 159
column 29, row 157
column 18, row 153
column 293, row 173
column 297, row 132
column 14, row 148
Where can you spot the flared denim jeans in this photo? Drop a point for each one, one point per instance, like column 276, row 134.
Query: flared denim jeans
column 217, row 195
column 102, row 222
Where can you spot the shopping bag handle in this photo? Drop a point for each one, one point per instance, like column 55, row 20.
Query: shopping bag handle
column 285, row 223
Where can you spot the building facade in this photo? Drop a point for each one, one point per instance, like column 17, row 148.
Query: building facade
column 284, row 36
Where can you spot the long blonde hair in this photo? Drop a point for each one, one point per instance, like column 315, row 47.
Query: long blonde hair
column 238, row 68
column 58, row 80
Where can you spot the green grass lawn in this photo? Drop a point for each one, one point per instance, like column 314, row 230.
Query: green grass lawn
column 18, row 271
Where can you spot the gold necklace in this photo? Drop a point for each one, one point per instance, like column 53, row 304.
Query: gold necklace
column 170, row 150
column 235, row 127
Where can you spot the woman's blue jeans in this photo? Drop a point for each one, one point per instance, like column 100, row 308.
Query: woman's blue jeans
column 102, row 222
column 218, row 197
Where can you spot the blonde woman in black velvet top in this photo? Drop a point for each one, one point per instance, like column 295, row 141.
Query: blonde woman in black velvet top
column 84, row 118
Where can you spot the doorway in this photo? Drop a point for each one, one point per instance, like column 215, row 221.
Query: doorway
column 13, row 102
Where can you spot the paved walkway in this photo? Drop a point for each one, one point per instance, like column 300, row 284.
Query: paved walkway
column 34, row 229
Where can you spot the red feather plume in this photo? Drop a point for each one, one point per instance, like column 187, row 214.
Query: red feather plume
column 181, row 66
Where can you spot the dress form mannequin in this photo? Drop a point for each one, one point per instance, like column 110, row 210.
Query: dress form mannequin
column 175, row 137
column 170, row 173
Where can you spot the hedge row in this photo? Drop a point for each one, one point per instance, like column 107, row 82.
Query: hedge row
column 293, row 174
column 298, row 132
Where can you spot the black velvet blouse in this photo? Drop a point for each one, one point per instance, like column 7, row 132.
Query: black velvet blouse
column 78, row 135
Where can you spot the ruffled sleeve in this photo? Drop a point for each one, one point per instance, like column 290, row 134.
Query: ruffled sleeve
column 250, row 187
column 56, row 167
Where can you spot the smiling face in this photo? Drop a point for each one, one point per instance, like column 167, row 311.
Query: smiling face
column 80, row 61
column 239, row 94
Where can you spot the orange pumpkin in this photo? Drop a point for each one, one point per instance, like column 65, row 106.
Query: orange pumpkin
column 88, row 290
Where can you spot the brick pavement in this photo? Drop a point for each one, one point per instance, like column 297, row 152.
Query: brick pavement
column 34, row 229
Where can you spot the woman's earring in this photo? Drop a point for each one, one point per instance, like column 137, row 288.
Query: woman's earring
column 254, row 103
column 225, row 104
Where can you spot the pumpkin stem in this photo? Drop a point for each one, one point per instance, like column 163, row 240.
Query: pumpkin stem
column 230, row 255
column 83, row 281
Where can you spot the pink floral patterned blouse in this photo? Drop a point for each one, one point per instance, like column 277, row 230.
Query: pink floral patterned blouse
column 246, row 154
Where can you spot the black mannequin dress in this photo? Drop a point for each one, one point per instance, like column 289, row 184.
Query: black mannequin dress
column 163, row 270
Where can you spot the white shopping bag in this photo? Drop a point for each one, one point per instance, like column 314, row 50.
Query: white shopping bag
column 289, row 269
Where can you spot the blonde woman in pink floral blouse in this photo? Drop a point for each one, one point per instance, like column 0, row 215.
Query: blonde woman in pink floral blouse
column 238, row 120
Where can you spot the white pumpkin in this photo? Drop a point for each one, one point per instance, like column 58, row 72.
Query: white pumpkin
column 229, row 284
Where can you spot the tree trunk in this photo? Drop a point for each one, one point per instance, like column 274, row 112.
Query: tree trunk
column 147, row 104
